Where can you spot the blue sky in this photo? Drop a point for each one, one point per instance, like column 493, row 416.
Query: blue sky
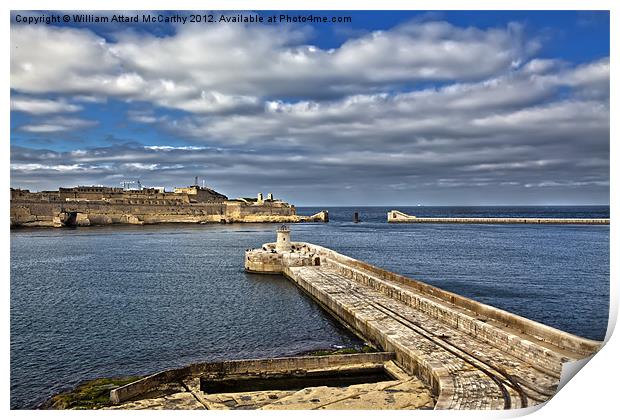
column 474, row 107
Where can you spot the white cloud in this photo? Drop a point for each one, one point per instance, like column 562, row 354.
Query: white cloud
column 42, row 106
column 140, row 166
column 51, row 59
column 540, row 66
column 58, row 124
column 172, row 148
column 591, row 79
column 90, row 99
column 487, row 109
column 145, row 117
column 37, row 167
column 223, row 68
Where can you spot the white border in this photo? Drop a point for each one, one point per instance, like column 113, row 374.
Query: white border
column 592, row 393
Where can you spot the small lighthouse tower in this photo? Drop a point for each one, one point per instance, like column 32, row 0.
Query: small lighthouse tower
column 283, row 243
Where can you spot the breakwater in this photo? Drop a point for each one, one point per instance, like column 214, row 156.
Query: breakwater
column 473, row 356
column 396, row 216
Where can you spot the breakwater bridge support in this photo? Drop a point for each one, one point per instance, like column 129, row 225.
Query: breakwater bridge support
column 471, row 355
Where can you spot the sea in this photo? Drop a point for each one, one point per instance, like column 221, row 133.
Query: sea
column 114, row 301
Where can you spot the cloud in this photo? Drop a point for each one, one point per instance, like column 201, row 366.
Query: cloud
column 144, row 117
column 424, row 109
column 224, row 68
column 58, row 124
column 64, row 60
column 42, row 168
column 521, row 106
column 173, row 148
column 140, row 166
column 38, row 106
column 591, row 79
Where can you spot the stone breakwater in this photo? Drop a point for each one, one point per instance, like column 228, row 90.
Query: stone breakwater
column 54, row 214
column 471, row 355
column 396, row 216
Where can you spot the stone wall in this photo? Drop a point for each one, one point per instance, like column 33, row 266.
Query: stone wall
column 251, row 366
column 57, row 214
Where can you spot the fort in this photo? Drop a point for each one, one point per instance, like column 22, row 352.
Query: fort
column 438, row 350
column 98, row 205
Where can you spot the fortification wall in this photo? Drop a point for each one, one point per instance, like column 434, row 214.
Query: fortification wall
column 46, row 214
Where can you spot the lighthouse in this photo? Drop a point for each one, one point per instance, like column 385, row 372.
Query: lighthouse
column 283, row 242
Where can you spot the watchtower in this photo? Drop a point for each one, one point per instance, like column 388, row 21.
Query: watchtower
column 283, row 242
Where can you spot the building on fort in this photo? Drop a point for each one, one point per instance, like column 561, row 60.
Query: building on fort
column 191, row 194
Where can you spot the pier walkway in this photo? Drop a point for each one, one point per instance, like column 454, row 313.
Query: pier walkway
column 471, row 355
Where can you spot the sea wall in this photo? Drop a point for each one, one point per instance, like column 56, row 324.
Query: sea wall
column 54, row 214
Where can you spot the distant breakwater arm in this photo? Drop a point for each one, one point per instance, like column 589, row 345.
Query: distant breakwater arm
column 396, row 216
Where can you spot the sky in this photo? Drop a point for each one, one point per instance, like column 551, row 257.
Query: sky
column 393, row 108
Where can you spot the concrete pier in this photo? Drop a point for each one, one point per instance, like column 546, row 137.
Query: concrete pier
column 471, row 355
column 396, row 216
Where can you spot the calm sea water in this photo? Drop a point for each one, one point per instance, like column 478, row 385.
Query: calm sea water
column 107, row 301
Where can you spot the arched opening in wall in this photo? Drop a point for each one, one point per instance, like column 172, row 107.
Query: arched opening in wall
column 71, row 219
column 317, row 261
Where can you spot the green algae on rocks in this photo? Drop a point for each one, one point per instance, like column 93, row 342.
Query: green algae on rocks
column 88, row 395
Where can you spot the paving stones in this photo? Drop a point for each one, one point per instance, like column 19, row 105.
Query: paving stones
column 177, row 401
column 478, row 374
